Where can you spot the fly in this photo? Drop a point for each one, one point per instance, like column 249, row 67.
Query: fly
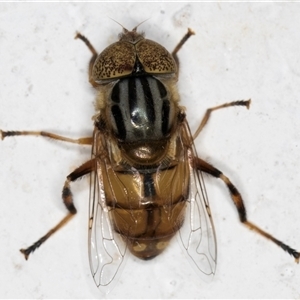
column 146, row 178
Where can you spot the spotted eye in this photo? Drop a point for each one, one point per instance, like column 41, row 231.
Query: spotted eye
column 119, row 60
column 154, row 58
column 115, row 61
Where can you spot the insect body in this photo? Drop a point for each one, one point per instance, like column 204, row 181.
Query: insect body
column 146, row 180
column 141, row 130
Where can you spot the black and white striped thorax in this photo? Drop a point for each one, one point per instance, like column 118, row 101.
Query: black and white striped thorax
column 140, row 109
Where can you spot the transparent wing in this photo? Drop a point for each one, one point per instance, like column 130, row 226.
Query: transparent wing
column 197, row 235
column 106, row 250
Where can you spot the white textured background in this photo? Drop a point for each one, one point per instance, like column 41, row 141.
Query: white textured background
column 241, row 51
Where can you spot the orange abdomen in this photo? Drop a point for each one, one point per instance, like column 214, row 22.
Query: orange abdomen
column 147, row 209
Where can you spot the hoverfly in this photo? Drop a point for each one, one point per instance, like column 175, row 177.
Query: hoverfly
column 146, row 178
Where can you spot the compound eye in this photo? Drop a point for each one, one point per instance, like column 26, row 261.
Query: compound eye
column 115, row 61
column 154, row 58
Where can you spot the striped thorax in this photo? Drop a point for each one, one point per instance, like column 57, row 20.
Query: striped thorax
column 136, row 79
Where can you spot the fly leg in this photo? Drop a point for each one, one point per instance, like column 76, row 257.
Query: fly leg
column 92, row 60
column 210, row 110
column 80, row 141
column 67, row 197
column 180, row 44
column 238, row 201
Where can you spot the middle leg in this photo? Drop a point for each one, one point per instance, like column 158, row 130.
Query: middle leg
column 210, row 110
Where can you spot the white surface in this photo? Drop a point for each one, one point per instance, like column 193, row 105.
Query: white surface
column 241, row 51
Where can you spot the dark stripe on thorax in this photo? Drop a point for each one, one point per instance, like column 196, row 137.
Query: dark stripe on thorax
column 148, row 99
column 165, row 117
column 115, row 94
column 162, row 89
column 119, row 121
